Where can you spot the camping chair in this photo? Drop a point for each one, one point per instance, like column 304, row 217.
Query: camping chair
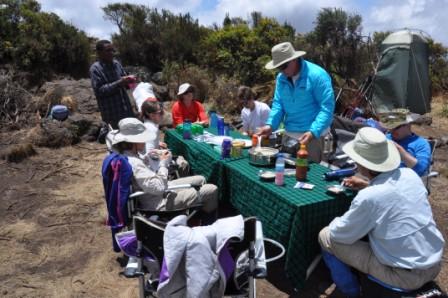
column 430, row 174
column 122, row 203
column 250, row 262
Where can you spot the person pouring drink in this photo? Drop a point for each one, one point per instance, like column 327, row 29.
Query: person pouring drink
column 303, row 100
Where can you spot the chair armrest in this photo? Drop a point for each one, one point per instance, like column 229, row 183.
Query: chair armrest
column 136, row 194
column 433, row 174
column 179, row 186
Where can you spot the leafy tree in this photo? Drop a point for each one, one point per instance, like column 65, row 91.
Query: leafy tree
column 438, row 66
column 149, row 37
column 241, row 51
column 337, row 44
column 41, row 43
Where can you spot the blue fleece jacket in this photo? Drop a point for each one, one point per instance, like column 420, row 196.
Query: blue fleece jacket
column 307, row 105
column 419, row 148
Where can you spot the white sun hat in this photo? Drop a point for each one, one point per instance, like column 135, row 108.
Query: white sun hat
column 282, row 53
column 372, row 150
column 143, row 91
column 184, row 88
column 130, row 130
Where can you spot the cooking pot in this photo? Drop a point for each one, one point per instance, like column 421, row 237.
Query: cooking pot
column 262, row 156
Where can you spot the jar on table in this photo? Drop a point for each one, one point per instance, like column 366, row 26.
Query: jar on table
column 237, row 149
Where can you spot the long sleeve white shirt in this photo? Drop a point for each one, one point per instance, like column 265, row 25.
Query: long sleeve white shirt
column 255, row 118
column 395, row 213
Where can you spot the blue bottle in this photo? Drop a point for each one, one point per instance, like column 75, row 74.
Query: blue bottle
column 213, row 119
column 226, row 147
column 227, row 129
column 186, row 132
column 220, row 126
column 338, row 174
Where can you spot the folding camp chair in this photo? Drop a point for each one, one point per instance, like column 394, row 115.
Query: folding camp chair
column 430, row 174
column 248, row 254
column 123, row 204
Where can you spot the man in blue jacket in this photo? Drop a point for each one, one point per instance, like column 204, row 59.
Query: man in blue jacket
column 303, row 99
column 415, row 151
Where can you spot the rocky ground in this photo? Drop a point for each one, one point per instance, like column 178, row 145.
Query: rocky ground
column 55, row 244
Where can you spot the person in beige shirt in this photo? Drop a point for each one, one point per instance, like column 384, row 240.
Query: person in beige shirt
column 130, row 140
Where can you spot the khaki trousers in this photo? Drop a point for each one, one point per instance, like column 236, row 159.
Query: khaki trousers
column 183, row 198
column 359, row 255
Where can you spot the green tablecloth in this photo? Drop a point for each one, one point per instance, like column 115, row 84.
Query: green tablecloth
column 203, row 158
column 291, row 216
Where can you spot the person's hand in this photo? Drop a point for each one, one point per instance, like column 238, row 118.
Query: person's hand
column 165, row 155
column 400, row 149
column 163, row 145
column 264, row 131
column 126, row 80
column 306, row 138
column 355, row 182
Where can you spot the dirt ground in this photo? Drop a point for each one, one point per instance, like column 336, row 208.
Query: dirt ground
column 54, row 242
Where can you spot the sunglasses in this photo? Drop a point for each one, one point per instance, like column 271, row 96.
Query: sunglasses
column 283, row 66
column 109, row 50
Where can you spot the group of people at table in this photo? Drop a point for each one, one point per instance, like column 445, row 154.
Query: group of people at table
column 404, row 247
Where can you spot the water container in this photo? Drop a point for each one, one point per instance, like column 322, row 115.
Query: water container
column 220, row 126
column 213, row 119
column 226, row 129
column 279, row 169
column 226, row 147
column 186, row 132
column 338, row 174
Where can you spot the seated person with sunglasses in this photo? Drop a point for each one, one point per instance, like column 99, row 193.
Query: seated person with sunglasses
column 254, row 113
column 109, row 82
column 303, row 100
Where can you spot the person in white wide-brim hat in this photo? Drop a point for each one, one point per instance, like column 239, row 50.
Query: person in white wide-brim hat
column 188, row 108
column 405, row 247
column 129, row 140
column 303, row 101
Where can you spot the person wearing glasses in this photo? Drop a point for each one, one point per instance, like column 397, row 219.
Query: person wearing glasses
column 303, row 101
column 415, row 151
column 254, row 113
column 188, row 108
column 109, row 83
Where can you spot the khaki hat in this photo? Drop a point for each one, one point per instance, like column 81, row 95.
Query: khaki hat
column 130, row 130
column 397, row 117
column 372, row 150
column 184, row 88
column 282, row 53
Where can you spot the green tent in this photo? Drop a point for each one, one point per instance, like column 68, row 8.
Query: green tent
column 402, row 75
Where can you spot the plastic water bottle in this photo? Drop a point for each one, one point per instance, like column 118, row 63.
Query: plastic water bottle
column 227, row 129
column 213, row 119
column 279, row 169
column 186, row 133
column 220, row 126
column 226, row 147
